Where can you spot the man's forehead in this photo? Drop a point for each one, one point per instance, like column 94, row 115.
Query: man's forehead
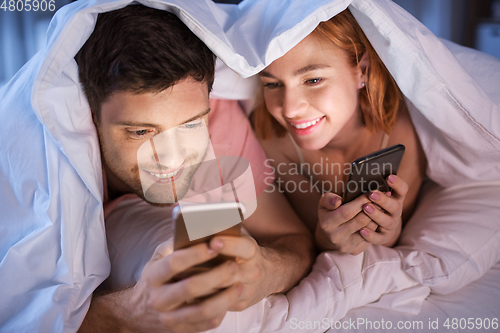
column 146, row 124
column 183, row 102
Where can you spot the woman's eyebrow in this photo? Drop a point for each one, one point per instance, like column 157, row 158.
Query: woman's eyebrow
column 266, row 74
column 303, row 70
column 309, row 68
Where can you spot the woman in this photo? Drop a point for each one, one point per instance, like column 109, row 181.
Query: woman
column 330, row 100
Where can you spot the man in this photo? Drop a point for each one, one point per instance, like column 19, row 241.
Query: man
column 143, row 73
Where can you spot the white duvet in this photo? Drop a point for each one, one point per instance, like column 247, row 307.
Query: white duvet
column 53, row 250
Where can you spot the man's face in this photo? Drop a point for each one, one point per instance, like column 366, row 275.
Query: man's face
column 156, row 138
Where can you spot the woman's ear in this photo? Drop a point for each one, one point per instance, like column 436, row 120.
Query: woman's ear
column 363, row 66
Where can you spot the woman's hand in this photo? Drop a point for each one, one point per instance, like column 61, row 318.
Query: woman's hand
column 371, row 218
column 386, row 211
column 338, row 226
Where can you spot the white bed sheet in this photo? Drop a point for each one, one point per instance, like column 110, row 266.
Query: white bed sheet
column 340, row 283
column 479, row 300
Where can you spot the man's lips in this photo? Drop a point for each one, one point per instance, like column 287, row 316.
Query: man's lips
column 165, row 176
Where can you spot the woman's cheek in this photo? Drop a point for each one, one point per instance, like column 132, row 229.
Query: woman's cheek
column 274, row 110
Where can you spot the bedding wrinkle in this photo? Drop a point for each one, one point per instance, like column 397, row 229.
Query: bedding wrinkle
column 441, row 242
column 476, row 123
column 53, row 236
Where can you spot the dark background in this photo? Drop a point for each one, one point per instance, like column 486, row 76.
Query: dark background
column 470, row 23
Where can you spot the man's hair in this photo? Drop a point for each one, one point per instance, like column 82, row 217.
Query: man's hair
column 140, row 49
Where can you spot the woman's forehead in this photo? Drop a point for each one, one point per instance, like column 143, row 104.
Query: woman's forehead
column 312, row 53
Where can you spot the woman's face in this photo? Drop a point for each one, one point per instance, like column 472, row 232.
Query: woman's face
column 313, row 92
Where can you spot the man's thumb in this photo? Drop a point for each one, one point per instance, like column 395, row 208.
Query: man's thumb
column 163, row 250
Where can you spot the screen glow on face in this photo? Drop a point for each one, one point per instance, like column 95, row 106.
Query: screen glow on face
column 168, row 161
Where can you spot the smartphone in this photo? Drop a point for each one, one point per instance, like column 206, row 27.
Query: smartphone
column 369, row 173
column 223, row 210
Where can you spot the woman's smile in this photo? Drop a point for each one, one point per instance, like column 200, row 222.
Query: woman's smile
column 304, row 127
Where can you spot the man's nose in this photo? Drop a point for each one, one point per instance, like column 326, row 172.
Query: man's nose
column 169, row 149
column 294, row 103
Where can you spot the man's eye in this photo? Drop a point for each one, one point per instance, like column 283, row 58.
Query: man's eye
column 314, row 81
column 139, row 134
column 192, row 125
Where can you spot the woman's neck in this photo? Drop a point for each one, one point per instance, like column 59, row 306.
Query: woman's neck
column 352, row 141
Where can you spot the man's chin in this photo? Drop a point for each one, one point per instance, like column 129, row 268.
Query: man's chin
column 155, row 201
column 159, row 196
column 156, row 204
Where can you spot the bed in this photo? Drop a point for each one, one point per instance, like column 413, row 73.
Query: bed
column 445, row 266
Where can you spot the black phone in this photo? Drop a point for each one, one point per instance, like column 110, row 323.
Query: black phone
column 369, row 173
column 205, row 212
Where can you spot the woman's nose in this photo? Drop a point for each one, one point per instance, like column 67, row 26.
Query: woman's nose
column 294, row 103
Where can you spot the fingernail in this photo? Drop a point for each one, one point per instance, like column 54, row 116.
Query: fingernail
column 369, row 209
column 211, row 252
column 217, row 244
column 388, row 193
column 334, row 201
column 392, row 179
column 374, row 196
column 364, row 233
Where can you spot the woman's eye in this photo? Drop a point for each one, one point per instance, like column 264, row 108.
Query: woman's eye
column 272, row 85
column 314, row 81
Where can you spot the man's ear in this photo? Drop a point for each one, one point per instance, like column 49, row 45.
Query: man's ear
column 94, row 119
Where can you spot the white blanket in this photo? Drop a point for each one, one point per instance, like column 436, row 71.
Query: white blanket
column 53, row 248
column 441, row 249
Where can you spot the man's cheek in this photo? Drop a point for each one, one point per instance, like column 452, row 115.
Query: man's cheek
column 126, row 154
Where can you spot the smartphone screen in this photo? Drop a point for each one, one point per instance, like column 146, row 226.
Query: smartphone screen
column 205, row 213
column 369, row 173
column 201, row 211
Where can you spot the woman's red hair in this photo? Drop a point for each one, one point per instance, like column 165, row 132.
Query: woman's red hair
column 379, row 101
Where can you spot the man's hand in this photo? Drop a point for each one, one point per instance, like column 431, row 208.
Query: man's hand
column 157, row 304
column 280, row 253
column 253, row 272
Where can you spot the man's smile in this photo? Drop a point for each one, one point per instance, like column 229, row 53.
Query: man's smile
column 164, row 176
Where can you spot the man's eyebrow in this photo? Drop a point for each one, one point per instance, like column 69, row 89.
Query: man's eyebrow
column 303, row 70
column 135, row 124
column 138, row 124
column 200, row 115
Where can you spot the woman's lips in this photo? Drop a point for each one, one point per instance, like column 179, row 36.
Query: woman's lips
column 305, row 127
